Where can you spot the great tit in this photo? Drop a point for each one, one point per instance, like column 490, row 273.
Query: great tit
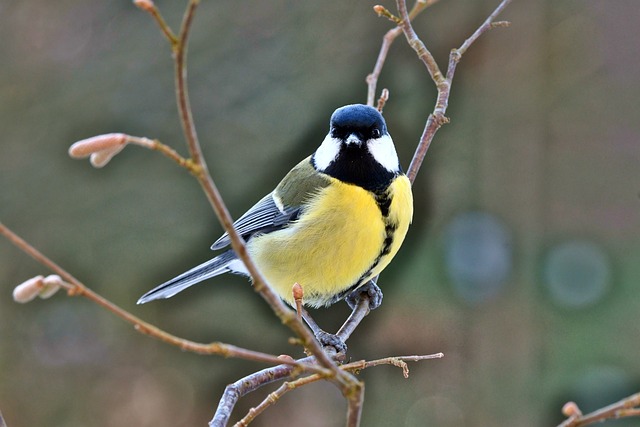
column 332, row 224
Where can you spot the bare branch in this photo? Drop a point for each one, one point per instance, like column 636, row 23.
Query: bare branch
column 102, row 148
column 414, row 41
column 383, row 11
column 387, row 41
column 286, row 315
column 488, row 24
column 274, row 397
column 76, row 288
column 625, row 408
column 149, row 7
column 438, row 117
column 350, row 386
column 233, row 392
column 355, row 400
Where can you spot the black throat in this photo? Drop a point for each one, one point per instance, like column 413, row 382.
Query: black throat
column 355, row 165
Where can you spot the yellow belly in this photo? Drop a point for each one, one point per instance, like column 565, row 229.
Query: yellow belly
column 330, row 247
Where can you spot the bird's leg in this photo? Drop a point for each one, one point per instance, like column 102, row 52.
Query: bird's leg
column 370, row 290
column 324, row 338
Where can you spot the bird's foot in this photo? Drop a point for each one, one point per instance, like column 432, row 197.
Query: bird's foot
column 369, row 290
column 331, row 340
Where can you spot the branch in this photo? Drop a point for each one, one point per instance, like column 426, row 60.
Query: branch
column 109, row 145
column 414, row 41
column 233, row 392
column 106, row 146
column 387, row 41
column 76, row 288
column 149, row 7
column 273, row 398
column 286, row 315
column 625, row 408
column 179, row 49
column 102, row 148
column 349, row 385
column 443, row 84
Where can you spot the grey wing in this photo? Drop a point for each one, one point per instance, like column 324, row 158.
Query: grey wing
column 264, row 217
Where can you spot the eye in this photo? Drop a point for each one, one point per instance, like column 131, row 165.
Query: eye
column 375, row 133
column 336, row 132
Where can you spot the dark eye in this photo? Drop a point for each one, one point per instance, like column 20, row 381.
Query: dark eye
column 336, row 132
column 375, row 133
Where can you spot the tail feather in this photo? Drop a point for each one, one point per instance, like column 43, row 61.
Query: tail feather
column 206, row 270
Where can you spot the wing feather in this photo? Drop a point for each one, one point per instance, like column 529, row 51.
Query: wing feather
column 264, row 217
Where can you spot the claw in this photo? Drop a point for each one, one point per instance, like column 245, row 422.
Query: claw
column 370, row 290
column 330, row 340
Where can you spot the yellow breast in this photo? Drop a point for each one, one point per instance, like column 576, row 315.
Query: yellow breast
column 338, row 238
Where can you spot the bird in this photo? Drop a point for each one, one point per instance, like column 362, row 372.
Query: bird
column 332, row 224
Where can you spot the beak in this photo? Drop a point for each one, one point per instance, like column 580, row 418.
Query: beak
column 353, row 139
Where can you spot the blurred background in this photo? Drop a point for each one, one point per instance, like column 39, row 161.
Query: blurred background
column 522, row 264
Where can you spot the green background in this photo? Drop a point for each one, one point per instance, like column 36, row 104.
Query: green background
column 541, row 155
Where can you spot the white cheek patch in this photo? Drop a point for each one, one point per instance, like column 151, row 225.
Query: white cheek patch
column 326, row 153
column 384, row 152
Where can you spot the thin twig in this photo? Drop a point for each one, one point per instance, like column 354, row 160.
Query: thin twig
column 414, row 41
column 150, row 7
column 233, row 392
column 182, row 91
column 274, row 397
column 387, row 41
column 286, row 315
column 348, row 384
column 488, row 24
column 351, row 388
column 443, row 84
column 625, row 408
column 76, row 288
column 165, row 150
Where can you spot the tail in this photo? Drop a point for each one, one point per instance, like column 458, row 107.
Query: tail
column 206, row 270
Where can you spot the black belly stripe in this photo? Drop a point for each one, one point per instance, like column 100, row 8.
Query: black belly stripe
column 383, row 200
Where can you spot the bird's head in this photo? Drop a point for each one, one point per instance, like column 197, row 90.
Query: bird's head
column 358, row 148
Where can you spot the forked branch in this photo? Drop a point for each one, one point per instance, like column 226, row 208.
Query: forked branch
column 437, row 118
column 321, row 364
column 443, row 84
column 286, row 315
column 274, row 397
column 75, row 287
